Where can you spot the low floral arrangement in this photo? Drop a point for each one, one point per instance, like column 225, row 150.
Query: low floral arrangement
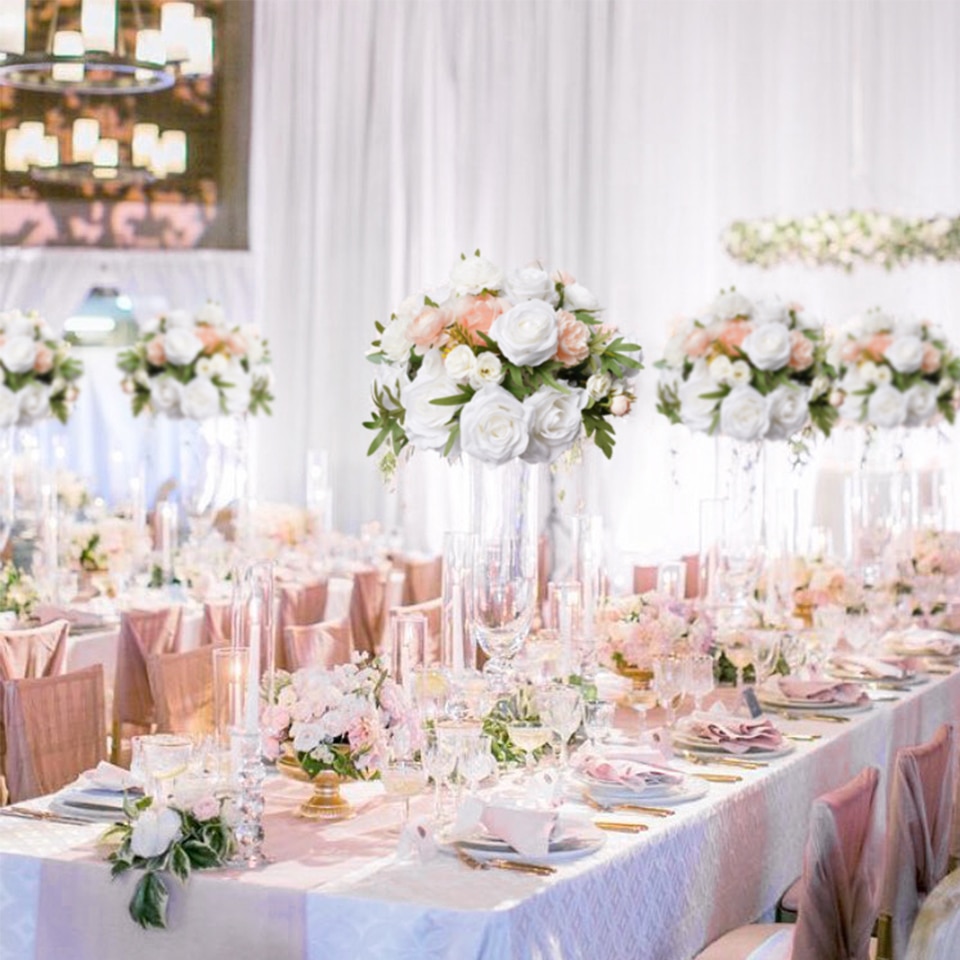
column 751, row 370
column 168, row 840
column 638, row 628
column 96, row 546
column 38, row 374
column 843, row 240
column 18, row 591
column 198, row 368
column 280, row 525
column 73, row 494
column 895, row 372
column 345, row 719
column 499, row 367
column 935, row 553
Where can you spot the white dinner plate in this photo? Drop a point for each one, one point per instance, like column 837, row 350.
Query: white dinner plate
column 697, row 745
column 92, row 804
column 571, row 840
column 668, row 796
column 908, row 679
column 811, row 706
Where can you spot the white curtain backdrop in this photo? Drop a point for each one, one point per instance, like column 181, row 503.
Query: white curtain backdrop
column 613, row 138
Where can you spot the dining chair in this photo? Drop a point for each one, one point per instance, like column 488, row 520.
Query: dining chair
column 373, row 593
column 324, row 644
column 936, row 931
column 644, row 579
column 692, row 587
column 34, row 651
column 838, row 896
column 53, row 730
column 433, row 611
column 919, row 832
column 142, row 633
column 300, row 604
column 181, row 685
column 217, row 622
column 422, row 579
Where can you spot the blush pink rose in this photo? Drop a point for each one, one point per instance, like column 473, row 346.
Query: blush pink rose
column 206, row 808
column 801, row 351
column 43, row 361
column 931, row 359
column 877, row 345
column 573, row 339
column 236, row 343
column 156, row 355
column 208, row 337
column 733, row 334
column 270, row 747
column 561, row 276
column 427, row 326
column 698, row 343
column 850, row 352
column 476, row 314
column 620, row 405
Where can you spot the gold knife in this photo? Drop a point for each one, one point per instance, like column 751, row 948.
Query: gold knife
column 633, row 807
column 723, row 761
column 537, row 869
column 43, row 815
column 718, row 777
column 618, row 826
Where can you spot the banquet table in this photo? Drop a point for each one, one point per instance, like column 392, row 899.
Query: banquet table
column 340, row 891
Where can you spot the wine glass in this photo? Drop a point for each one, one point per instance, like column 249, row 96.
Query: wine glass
column 529, row 736
column 403, row 779
column 561, row 709
column 598, row 720
column 765, row 645
column 164, row 757
column 476, row 761
column 667, row 683
column 698, row 677
column 439, row 758
column 793, row 646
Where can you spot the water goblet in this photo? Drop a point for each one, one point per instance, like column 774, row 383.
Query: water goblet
column 476, row 761
column 164, row 757
column 598, row 720
column 403, row 779
column 698, row 677
column 793, row 646
column 561, row 709
column 439, row 758
column 667, row 683
column 766, row 653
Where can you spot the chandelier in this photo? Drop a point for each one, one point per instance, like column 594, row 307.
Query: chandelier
column 101, row 46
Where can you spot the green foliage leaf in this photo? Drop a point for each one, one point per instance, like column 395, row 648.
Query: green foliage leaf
column 148, row 906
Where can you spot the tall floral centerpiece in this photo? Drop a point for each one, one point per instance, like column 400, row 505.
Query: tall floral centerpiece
column 212, row 375
column 512, row 370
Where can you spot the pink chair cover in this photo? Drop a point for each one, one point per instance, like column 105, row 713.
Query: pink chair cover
column 644, row 579
column 919, row 829
column 543, row 569
column 367, row 610
column 53, row 730
column 422, row 579
column 300, row 604
column 142, row 633
column 692, row 561
column 433, row 611
column 217, row 622
column 181, row 685
column 317, row 645
column 33, row 652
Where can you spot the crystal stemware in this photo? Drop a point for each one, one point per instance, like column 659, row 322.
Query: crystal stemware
column 403, row 779
column 598, row 720
column 667, row 683
column 561, row 709
column 476, row 761
column 529, row 736
column 765, row 645
column 439, row 758
column 698, row 677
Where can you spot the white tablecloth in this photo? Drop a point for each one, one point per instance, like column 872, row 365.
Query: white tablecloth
column 336, row 892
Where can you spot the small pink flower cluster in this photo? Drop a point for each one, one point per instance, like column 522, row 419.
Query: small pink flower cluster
column 936, row 553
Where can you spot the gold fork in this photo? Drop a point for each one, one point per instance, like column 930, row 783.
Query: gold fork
column 632, row 807
column 475, row 863
column 723, row 761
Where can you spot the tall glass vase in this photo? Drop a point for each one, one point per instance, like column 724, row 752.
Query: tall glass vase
column 504, row 588
column 22, row 490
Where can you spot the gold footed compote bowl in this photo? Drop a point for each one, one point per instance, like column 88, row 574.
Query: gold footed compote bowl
column 326, row 802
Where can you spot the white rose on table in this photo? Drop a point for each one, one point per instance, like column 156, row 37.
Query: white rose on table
column 34, row 401
column 697, row 411
column 165, row 394
column 154, row 831
column 555, row 420
column 488, row 370
column 921, row 403
column 426, row 423
column 527, row 333
column 474, row 275
column 200, row 399
column 598, row 385
column 460, row 363
column 181, row 346
column 905, row 354
column 494, row 426
column 531, row 283
column 394, row 341
column 577, row 297
column 887, row 407
column 730, row 305
column 306, row 736
column 768, row 347
column 9, row 407
column 18, row 353
column 789, row 408
column 744, row 414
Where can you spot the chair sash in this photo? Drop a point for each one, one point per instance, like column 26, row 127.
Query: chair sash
column 35, row 652
column 54, row 729
column 918, row 835
column 839, row 886
column 422, row 579
column 323, row 644
column 142, row 634
column 433, row 611
column 367, row 607
column 181, row 685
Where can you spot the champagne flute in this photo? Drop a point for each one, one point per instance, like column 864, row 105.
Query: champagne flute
column 529, row 736
column 403, row 779
column 698, row 677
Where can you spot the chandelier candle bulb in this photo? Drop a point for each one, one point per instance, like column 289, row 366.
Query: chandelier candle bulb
column 174, row 144
column 151, row 47
column 200, row 61
column 13, row 26
column 98, row 23
column 49, row 155
column 145, row 139
column 14, row 152
column 68, row 43
column 176, row 24
column 106, row 153
column 86, row 133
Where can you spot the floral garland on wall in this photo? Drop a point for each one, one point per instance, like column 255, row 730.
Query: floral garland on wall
column 843, row 240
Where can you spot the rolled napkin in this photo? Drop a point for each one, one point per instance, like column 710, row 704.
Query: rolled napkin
column 525, row 829
column 820, row 691
column 733, row 734
column 879, row 668
column 636, row 774
column 918, row 641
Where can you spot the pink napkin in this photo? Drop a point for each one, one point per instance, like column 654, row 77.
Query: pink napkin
column 894, row 668
column 920, row 642
column 733, row 734
column 527, row 831
column 76, row 616
column 634, row 774
column 820, row 691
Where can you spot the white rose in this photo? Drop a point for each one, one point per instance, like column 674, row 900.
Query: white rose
column 887, row 407
column 426, row 423
column 18, row 354
column 219, row 365
column 474, row 275
column 16, row 324
column 149, row 325
column 674, row 353
column 789, row 407
column 165, row 394
column 730, row 305
column 769, row 311
column 237, row 395
column 460, row 363
column 204, row 367
column 531, row 283
column 577, row 297
column 394, row 341
column 768, row 347
column 905, row 354
column 740, row 372
column 210, row 313
column 853, row 408
column 876, row 322
column 34, row 401
column 744, row 414
column 494, row 426
column 598, row 385
column 921, row 403
column 432, row 365
column 181, row 345
column 819, row 387
column 867, row 372
column 883, row 375
column 487, row 370
column 720, row 369
column 200, row 399
column 555, row 420
column 527, row 332
column 154, row 831
column 177, row 319
column 306, row 736
column 696, row 411
column 9, row 407
column 255, row 349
